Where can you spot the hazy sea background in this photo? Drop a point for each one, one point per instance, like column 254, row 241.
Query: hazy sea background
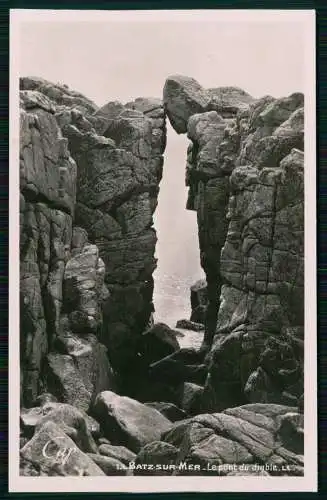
column 177, row 248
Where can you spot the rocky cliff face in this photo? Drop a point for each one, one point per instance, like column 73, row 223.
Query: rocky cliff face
column 89, row 186
column 89, row 182
column 245, row 174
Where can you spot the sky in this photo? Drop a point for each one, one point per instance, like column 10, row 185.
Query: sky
column 123, row 60
column 106, row 61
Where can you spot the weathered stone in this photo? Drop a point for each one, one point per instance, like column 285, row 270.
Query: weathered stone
column 157, row 342
column 158, row 456
column 48, row 187
column 91, row 362
column 109, row 465
column 31, row 417
column 41, row 453
column 120, row 453
column 190, row 399
column 243, row 435
column 128, row 422
column 83, row 289
column 169, row 410
column 59, row 94
column 202, row 446
column 73, row 423
column 45, row 398
column 47, row 171
column 183, row 97
column 65, row 381
column 228, row 101
column 291, row 432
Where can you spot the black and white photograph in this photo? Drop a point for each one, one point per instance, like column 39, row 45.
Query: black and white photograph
column 162, row 252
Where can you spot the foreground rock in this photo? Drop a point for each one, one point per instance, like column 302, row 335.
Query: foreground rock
column 80, row 369
column 110, row 466
column 127, row 422
column 191, row 398
column 157, row 458
column 251, row 434
column 73, row 422
column 189, row 325
column 169, row 410
column 120, row 453
column 41, row 454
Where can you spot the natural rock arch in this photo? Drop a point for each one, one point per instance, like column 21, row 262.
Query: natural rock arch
column 245, row 176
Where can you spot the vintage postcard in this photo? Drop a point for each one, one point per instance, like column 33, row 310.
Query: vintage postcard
column 162, row 251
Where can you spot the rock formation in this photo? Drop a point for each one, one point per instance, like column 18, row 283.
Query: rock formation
column 245, row 175
column 97, row 218
column 96, row 373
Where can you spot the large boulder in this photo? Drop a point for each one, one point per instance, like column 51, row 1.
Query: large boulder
column 127, row 422
column 51, row 452
column 191, row 398
column 156, row 459
column 183, row 97
column 158, row 342
column 201, row 445
column 120, row 453
column 169, row 410
column 72, row 422
column 239, row 436
column 291, row 432
column 61, row 413
column 109, row 465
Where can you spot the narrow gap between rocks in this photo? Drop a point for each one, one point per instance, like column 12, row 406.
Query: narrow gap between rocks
column 177, row 249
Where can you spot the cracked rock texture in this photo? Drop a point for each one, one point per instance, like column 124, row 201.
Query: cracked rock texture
column 89, row 186
column 245, row 172
column 244, row 439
